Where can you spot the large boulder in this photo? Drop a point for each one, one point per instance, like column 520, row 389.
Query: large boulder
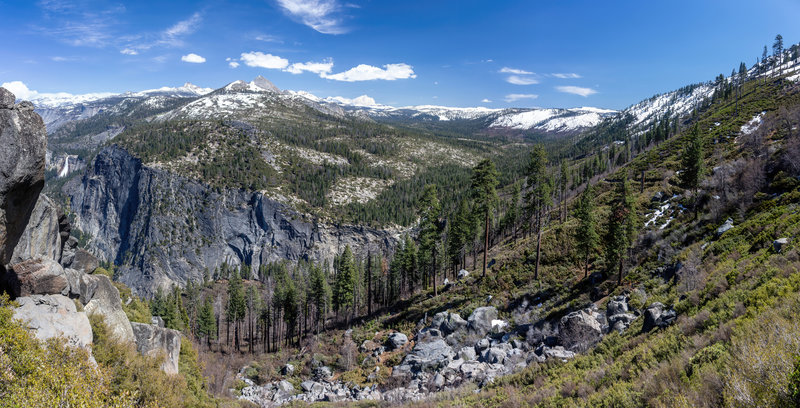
column 23, row 145
column 429, row 356
column 396, row 340
column 50, row 316
column 41, row 238
column 579, row 331
column 156, row 341
column 448, row 322
column 35, row 277
column 617, row 314
column 657, row 315
column 481, row 320
column 104, row 301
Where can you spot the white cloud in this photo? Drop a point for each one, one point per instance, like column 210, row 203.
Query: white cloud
column 129, row 51
column 319, row 68
column 521, row 80
column 364, row 72
column 486, row 100
column 193, row 58
column 576, row 90
column 233, row 64
column 569, row 75
column 507, row 70
column 20, row 90
column 321, row 15
column 517, row 97
column 260, row 60
column 362, row 100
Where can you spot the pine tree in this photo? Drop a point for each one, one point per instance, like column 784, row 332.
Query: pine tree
column 345, row 282
column 459, row 234
column 777, row 51
column 206, row 321
column 484, row 182
column 428, row 210
column 621, row 227
column 586, row 234
column 539, row 196
column 320, row 295
column 692, row 168
column 235, row 309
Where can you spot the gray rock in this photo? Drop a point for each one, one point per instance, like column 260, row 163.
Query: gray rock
column 396, row 340
column 323, row 373
column 287, row 370
column 36, row 277
column 157, row 321
column 368, row 346
column 429, row 356
column 621, row 322
column 779, row 244
column 438, row 381
column 23, row 143
column 7, row 99
column 725, row 227
column 494, row 355
column 482, row 344
column 467, row 353
column 105, row 302
column 50, row 316
column 448, row 322
column 617, row 305
column 83, row 261
column 558, row 353
column 462, row 274
column 156, row 341
column 656, row 315
column 312, row 387
column 579, row 331
column 480, row 321
column 41, row 238
column 285, row 386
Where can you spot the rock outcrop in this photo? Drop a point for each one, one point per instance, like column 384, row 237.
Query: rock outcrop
column 49, row 316
column 42, row 236
column 105, row 302
column 155, row 341
column 23, row 143
column 131, row 209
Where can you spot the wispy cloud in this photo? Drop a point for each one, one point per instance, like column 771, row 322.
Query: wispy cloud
column 521, row 80
column 268, row 38
column 193, row 58
column 363, row 72
column 232, row 63
column 517, row 97
column 486, row 100
column 77, row 24
column 323, row 16
column 569, row 75
column 129, row 51
column 507, row 70
column 576, row 90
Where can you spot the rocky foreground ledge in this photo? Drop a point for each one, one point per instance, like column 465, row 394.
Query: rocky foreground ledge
column 451, row 352
column 41, row 266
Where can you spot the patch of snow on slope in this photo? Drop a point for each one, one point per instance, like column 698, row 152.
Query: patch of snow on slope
column 753, row 124
column 571, row 122
column 524, row 120
column 678, row 104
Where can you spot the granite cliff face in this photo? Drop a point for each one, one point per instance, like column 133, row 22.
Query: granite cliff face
column 23, row 142
column 164, row 229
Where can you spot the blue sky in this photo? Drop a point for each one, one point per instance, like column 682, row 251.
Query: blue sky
column 458, row 53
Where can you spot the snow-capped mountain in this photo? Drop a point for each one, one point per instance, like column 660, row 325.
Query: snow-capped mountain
column 56, row 109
